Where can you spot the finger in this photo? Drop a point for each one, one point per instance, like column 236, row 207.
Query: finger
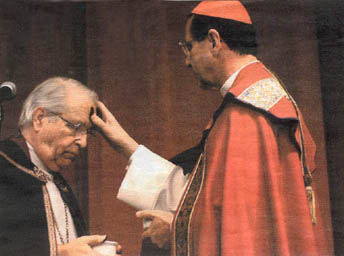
column 95, row 118
column 147, row 214
column 93, row 240
column 104, row 110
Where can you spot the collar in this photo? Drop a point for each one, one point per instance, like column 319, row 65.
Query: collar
column 15, row 151
column 230, row 81
column 37, row 161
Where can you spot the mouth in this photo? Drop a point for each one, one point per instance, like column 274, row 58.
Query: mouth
column 70, row 155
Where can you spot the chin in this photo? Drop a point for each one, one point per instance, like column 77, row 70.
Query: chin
column 54, row 168
column 67, row 162
column 64, row 163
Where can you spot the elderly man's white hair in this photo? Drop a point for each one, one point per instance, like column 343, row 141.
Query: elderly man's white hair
column 51, row 95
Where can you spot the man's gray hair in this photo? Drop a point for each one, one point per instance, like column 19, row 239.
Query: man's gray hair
column 51, row 95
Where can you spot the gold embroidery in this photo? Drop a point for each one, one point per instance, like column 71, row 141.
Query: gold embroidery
column 36, row 172
column 199, row 191
column 184, row 214
column 307, row 175
column 39, row 174
column 263, row 94
column 50, row 222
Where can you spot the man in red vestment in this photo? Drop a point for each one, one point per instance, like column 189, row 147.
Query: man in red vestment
column 250, row 189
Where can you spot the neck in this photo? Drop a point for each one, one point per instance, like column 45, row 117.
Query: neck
column 27, row 135
column 233, row 63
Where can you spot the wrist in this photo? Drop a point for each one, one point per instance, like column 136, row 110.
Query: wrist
column 125, row 145
column 130, row 147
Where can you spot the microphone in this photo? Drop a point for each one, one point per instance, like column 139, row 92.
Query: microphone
column 8, row 91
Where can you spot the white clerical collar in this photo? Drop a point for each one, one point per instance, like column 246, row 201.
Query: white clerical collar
column 230, row 81
column 36, row 161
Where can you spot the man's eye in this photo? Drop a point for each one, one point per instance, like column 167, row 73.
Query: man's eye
column 72, row 126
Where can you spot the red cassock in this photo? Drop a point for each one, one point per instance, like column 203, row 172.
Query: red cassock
column 248, row 197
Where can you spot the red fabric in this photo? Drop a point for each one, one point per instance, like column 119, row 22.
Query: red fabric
column 253, row 200
column 231, row 10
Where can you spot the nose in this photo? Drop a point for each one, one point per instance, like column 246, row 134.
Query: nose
column 81, row 140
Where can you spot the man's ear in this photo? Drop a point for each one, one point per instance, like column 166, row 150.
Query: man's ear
column 38, row 118
column 215, row 40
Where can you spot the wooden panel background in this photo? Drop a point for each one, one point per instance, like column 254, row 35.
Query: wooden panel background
column 135, row 63
column 127, row 51
column 38, row 41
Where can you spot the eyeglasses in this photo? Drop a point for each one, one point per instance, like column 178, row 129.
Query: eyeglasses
column 78, row 129
column 186, row 46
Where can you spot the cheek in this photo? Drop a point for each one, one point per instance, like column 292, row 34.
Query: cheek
column 198, row 62
column 63, row 145
column 63, row 149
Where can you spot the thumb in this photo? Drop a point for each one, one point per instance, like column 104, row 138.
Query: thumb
column 152, row 214
column 93, row 240
column 146, row 214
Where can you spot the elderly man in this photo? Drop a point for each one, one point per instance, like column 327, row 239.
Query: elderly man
column 38, row 212
column 247, row 188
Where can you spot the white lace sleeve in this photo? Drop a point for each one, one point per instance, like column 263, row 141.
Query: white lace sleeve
column 152, row 182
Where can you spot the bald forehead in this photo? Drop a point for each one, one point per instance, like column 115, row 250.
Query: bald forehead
column 78, row 100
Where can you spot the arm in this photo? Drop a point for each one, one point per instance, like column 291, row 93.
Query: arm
column 114, row 132
column 151, row 182
column 153, row 178
column 149, row 176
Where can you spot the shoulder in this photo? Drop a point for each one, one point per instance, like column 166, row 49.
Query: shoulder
column 12, row 156
column 270, row 96
column 247, row 125
column 22, row 211
column 257, row 87
column 256, row 106
column 15, row 151
column 242, row 118
column 263, row 94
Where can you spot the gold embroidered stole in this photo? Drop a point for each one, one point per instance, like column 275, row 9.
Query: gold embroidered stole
column 40, row 175
column 181, row 235
column 263, row 94
column 266, row 93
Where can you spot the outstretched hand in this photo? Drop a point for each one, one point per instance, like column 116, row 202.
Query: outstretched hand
column 159, row 228
column 113, row 131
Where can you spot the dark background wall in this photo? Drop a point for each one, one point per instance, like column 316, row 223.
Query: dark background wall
column 127, row 51
column 38, row 41
column 330, row 32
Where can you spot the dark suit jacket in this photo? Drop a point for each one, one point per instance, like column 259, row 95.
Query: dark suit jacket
column 23, row 221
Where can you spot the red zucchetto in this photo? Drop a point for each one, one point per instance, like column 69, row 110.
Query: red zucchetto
column 231, row 10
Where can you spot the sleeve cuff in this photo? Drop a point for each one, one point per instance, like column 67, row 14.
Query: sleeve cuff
column 146, row 174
